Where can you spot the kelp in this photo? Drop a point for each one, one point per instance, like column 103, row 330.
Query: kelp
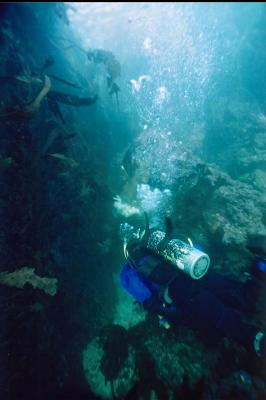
column 72, row 100
column 27, row 110
column 85, row 190
column 55, row 109
column 36, row 78
column 106, row 57
column 49, row 62
column 20, row 277
column 66, row 160
column 116, row 351
column 56, row 131
column 54, row 135
column 74, row 85
column 35, row 104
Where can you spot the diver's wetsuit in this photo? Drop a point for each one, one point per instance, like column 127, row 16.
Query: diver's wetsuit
column 211, row 306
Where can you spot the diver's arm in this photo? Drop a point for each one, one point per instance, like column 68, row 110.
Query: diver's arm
column 156, row 305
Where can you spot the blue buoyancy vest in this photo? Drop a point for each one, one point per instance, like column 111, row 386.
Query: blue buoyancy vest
column 136, row 285
column 261, row 265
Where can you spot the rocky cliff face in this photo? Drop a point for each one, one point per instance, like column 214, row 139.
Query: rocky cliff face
column 61, row 149
column 55, row 202
column 217, row 207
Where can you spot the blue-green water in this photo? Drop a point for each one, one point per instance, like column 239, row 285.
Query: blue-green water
column 182, row 135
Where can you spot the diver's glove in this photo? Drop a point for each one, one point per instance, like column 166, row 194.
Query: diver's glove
column 159, row 307
column 163, row 322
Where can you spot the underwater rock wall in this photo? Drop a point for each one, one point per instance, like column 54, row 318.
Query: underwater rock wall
column 215, row 209
column 59, row 166
column 55, row 205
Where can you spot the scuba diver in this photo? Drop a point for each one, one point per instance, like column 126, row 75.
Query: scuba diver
column 213, row 306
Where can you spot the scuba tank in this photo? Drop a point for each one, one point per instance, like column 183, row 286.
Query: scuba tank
column 183, row 256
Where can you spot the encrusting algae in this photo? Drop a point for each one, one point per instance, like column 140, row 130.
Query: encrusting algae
column 24, row 275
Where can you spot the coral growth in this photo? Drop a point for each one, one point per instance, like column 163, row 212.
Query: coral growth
column 20, row 277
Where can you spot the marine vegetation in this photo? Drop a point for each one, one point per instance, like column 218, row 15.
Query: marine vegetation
column 148, row 384
column 20, row 277
column 28, row 109
column 109, row 112
column 115, row 347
